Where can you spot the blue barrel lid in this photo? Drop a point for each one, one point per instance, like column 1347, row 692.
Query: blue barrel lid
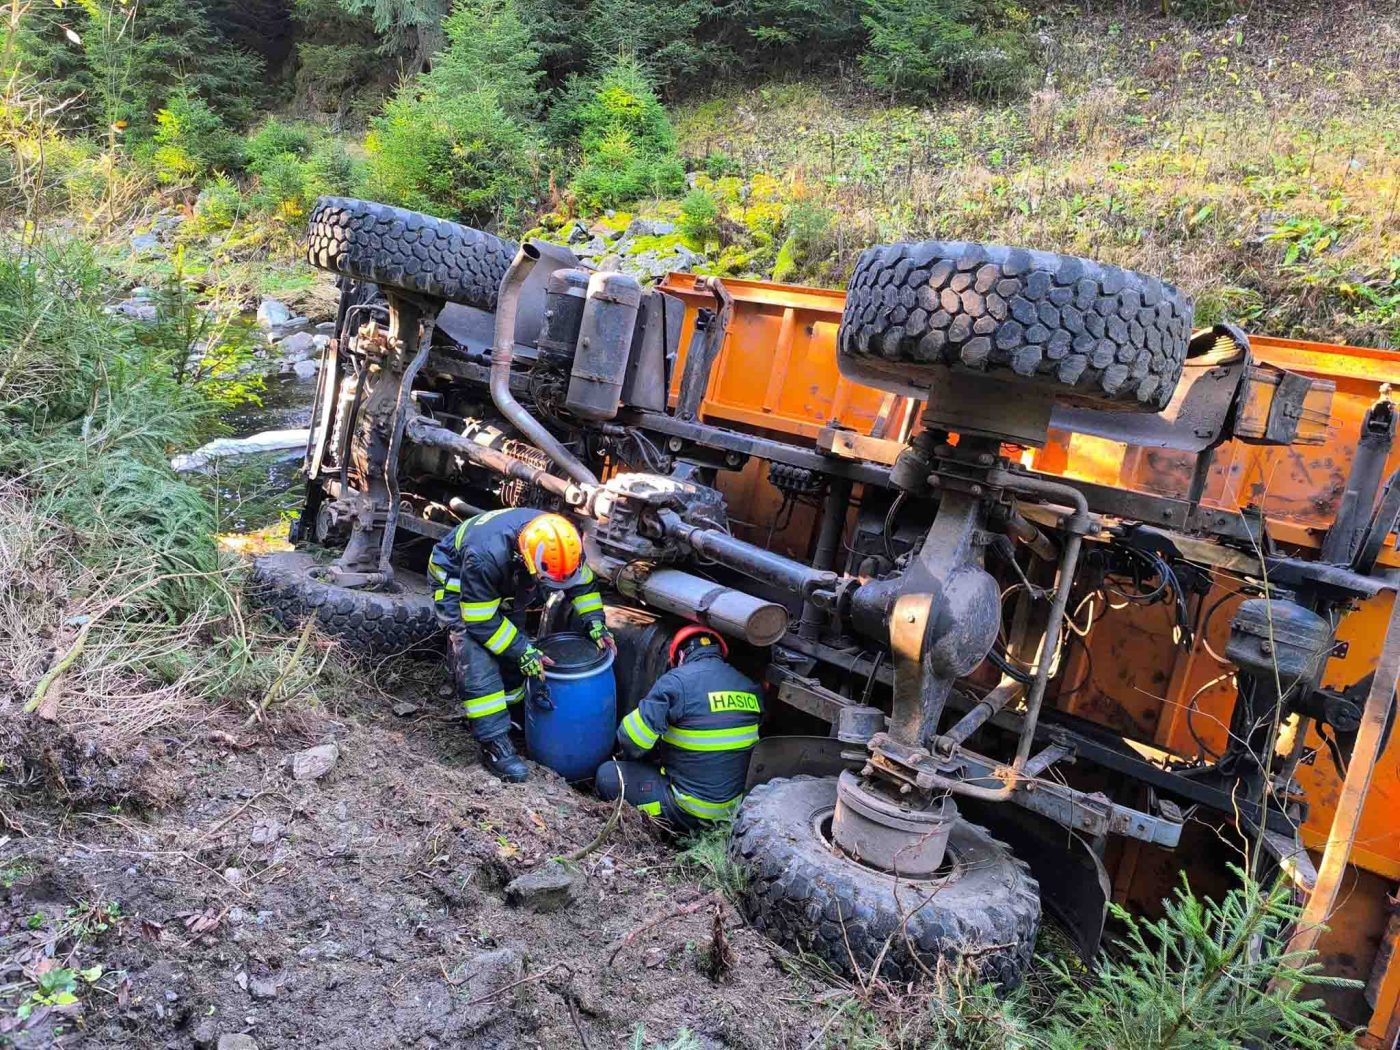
column 572, row 653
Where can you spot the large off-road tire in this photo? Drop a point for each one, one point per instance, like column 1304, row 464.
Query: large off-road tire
column 290, row 586
column 395, row 248
column 1093, row 334
column 983, row 913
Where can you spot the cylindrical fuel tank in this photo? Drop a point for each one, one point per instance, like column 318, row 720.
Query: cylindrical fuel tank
column 731, row 612
column 604, row 341
column 564, row 296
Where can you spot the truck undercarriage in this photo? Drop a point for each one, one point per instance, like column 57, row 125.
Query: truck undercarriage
column 928, row 620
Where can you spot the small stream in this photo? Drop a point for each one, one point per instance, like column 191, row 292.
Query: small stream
column 286, row 403
column 257, row 490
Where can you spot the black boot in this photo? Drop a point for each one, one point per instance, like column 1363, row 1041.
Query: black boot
column 499, row 756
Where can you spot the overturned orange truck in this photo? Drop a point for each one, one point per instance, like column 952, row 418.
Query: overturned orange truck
column 1056, row 597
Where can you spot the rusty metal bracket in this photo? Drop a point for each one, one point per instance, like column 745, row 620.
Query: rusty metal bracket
column 849, row 444
column 704, row 352
column 1090, row 814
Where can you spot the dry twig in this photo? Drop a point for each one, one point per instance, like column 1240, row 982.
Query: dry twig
column 516, row 984
column 675, row 913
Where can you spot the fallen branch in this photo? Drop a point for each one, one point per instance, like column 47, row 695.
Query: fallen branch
column 235, row 815
column 516, row 984
column 282, row 676
column 578, row 854
column 573, row 1016
column 676, row 913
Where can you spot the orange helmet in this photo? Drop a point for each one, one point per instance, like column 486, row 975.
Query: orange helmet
column 690, row 632
column 552, row 550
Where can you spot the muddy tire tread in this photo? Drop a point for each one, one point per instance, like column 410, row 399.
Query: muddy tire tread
column 1100, row 333
column 368, row 623
column 407, row 250
column 806, row 897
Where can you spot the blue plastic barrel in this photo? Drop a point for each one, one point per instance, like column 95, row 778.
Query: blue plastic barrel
column 576, row 736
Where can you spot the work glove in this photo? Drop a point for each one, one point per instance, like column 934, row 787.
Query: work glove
column 533, row 662
column 602, row 637
column 537, row 694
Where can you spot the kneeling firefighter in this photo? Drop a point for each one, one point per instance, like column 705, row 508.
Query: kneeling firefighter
column 487, row 567
column 696, row 726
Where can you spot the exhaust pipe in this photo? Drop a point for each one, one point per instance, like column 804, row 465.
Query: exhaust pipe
column 503, row 352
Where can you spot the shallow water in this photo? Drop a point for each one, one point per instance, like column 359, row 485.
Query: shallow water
column 286, row 403
column 255, row 491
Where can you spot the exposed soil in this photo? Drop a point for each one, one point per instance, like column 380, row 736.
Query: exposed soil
column 362, row 909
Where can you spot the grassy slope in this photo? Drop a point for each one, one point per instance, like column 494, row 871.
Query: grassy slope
column 1256, row 164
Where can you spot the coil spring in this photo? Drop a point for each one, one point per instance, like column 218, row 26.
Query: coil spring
column 513, row 491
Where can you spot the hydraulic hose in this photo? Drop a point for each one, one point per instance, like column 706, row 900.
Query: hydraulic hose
column 503, row 352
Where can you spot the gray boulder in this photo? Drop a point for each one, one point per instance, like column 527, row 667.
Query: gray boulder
column 136, row 309
column 547, row 888
column 298, row 346
column 273, row 313
column 314, row 762
column 650, row 228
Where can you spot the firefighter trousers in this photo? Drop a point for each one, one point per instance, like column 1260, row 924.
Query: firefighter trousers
column 486, row 687
column 646, row 787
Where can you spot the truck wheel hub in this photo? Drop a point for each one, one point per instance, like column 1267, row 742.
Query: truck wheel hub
column 901, row 838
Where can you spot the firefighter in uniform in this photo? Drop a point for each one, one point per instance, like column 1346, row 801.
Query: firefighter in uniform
column 695, row 727
column 485, row 571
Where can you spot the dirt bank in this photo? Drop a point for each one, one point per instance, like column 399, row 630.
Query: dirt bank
column 366, row 908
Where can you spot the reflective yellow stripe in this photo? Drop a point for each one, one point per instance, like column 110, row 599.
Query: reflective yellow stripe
column 735, row 739
column 585, row 575
column 453, row 585
column 439, row 595
column 587, row 603
column 482, row 706
column 500, row 641
column 515, row 695
column 437, row 572
column 479, row 612
column 640, row 733
column 704, row 809
column 651, row 809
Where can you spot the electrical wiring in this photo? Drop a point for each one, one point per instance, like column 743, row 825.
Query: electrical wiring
column 889, row 525
column 1002, row 664
column 1083, row 632
column 1205, row 752
column 1168, row 583
column 1205, row 627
